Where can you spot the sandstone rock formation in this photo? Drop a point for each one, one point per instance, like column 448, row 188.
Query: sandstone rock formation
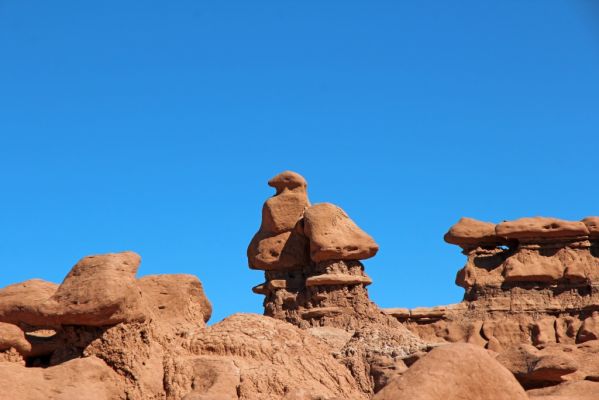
column 103, row 334
column 457, row 371
column 328, row 287
column 529, row 320
column 530, row 294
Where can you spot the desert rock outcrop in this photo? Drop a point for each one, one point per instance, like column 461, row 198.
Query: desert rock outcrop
column 530, row 295
column 328, row 288
column 104, row 334
column 456, row 371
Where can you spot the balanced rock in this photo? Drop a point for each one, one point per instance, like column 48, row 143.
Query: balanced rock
column 280, row 244
column 334, row 236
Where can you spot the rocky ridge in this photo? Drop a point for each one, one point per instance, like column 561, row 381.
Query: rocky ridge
column 528, row 327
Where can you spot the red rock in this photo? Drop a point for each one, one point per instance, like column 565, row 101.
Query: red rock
column 283, row 251
column 469, row 232
column 533, row 367
column 275, row 358
column 455, row 371
column 581, row 390
column 177, row 299
column 541, row 228
column 279, row 244
column 334, row 236
column 19, row 303
column 85, row 378
column 100, row 290
column 12, row 336
column 589, row 329
column 592, row 224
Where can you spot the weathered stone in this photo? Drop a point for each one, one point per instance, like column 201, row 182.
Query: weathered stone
column 337, row 279
column 457, row 371
column 468, row 232
column 541, row 228
column 334, row 236
column 100, row 290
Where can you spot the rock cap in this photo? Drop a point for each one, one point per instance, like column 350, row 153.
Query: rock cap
column 541, row 228
column 288, row 180
column 468, row 232
column 334, row 236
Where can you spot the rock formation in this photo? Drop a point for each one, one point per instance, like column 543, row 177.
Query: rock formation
column 315, row 280
column 456, row 371
column 531, row 294
column 103, row 334
column 528, row 327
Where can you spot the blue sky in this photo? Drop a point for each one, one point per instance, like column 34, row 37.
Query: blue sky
column 153, row 126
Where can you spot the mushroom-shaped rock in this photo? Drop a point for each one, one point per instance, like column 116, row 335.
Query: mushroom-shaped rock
column 541, row 228
column 455, row 371
column 469, row 232
column 334, row 236
column 592, row 224
column 19, row 303
column 280, row 243
column 176, row 299
column 100, row 290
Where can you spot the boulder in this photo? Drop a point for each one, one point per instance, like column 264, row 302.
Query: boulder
column 455, row 371
column 98, row 291
column 11, row 336
column 469, row 232
column 334, row 236
column 19, row 303
column 283, row 251
column 534, row 368
column 280, row 244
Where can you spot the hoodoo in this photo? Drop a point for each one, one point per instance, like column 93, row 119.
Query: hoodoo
column 316, row 281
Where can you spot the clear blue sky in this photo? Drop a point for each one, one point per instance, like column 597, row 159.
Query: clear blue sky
column 154, row 126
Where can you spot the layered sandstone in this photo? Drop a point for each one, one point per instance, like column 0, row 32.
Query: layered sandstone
column 531, row 294
column 103, row 334
column 325, row 286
